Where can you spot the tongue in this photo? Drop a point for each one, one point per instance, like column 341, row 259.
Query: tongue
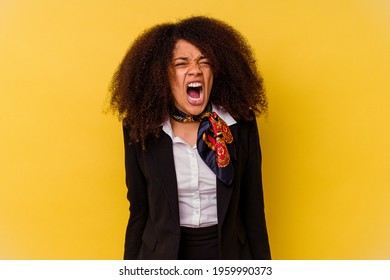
column 193, row 93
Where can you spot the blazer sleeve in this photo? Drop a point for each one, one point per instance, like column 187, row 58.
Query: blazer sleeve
column 137, row 196
column 253, row 200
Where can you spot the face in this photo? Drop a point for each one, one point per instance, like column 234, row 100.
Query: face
column 190, row 78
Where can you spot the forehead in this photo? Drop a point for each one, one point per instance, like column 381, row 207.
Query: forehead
column 186, row 49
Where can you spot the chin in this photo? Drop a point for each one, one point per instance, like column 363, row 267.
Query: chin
column 196, row 110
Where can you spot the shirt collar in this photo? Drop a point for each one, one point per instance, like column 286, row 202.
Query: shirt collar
column 228, row 119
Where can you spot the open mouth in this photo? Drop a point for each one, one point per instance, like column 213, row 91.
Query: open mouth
column 195, row 93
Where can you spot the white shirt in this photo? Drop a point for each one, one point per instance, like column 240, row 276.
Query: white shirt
column 197, row 183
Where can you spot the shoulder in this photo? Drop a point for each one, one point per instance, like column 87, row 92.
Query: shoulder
column 130, row 142
column 248, row 126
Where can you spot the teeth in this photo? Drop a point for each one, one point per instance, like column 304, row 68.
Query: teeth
column 196, row 84
column 194, row 99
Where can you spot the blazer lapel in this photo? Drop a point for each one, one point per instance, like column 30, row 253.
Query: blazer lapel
column 224, row 192
column 162, row 156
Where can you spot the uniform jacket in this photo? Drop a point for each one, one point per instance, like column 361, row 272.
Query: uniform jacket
column 153, row 230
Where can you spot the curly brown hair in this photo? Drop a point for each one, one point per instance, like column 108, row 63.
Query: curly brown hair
column 140, row 92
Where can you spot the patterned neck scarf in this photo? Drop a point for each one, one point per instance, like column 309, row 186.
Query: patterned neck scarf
column 213, row 142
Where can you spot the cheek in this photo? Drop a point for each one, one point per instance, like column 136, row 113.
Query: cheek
column 175, row 87
column 210, row 81
column 174, row 80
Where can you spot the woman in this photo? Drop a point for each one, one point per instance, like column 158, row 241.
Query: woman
column 188, row 94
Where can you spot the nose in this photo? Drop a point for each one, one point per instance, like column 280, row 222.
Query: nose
column 194, row 69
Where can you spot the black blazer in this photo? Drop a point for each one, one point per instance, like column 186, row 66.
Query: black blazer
column 153, row 231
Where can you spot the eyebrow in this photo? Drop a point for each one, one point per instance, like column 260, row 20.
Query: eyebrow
column 187, row 58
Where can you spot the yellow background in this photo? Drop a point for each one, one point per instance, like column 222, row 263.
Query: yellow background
column 326, row 66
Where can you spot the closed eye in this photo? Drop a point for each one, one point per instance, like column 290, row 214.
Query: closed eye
column 180, row 64
column 204, row 61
